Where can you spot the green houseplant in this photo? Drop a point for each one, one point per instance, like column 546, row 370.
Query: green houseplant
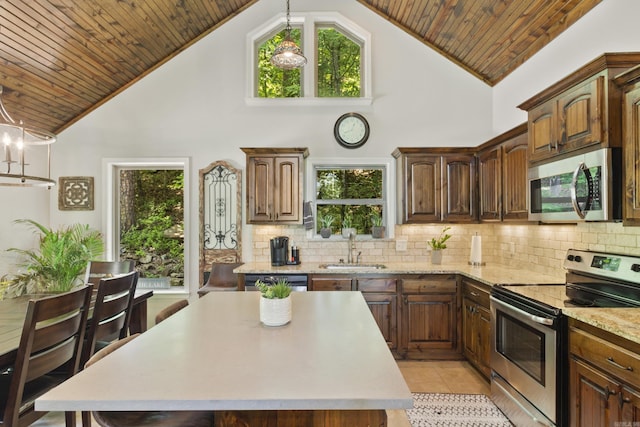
column 326, row 221
column 347, row 226
column 438, row 244
column 59, row 261
column 377, row 227
column 275, row 302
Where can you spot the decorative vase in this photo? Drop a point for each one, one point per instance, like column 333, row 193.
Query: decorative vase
column 325, row 232
column 347, row 231
column 436, row 256
column 377, row 232
column 275, row 311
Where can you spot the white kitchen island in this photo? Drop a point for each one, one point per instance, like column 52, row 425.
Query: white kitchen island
column 330, row 363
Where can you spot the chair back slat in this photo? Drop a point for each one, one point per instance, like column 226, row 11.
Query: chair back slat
column 111, row 312
column 52, row 337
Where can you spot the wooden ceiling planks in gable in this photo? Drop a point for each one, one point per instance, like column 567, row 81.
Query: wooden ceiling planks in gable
column 488, row 38
column 60, row 59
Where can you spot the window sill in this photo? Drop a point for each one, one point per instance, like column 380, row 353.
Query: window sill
column 311, row 102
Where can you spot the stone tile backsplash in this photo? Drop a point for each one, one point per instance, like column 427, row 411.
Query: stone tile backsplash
column 538, row 247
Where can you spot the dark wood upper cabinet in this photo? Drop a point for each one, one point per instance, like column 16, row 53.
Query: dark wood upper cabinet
column 502, row 176
column 275, row 178
column 581, row 111
column 436, row 185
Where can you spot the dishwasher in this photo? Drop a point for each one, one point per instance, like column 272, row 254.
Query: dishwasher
column 298, row 282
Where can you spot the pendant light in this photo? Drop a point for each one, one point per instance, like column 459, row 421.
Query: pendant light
column 18, row 141
column 288, row 55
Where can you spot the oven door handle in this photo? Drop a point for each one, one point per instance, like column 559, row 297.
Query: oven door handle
column 537, row 319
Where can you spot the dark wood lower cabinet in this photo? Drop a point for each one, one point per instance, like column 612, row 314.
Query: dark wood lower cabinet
column 320, row 418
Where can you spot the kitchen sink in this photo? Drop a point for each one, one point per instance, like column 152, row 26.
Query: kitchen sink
column 343, row 266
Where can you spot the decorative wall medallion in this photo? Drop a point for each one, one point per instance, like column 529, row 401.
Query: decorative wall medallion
column 75, row 193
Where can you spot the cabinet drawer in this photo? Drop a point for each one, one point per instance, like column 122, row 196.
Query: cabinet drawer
column 377, row 285
column 477, row 293
column 438, row 284
column 330, row 284
column 618, row 361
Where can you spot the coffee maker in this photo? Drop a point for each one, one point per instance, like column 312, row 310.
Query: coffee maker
column 279, row 250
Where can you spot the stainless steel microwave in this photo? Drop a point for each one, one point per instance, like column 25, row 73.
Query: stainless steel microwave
column 585, row 187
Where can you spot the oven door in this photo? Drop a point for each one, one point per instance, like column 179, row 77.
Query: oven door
column 523, row 353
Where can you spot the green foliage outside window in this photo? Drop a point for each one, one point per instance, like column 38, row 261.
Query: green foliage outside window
column 354, row 193
column 338, row 67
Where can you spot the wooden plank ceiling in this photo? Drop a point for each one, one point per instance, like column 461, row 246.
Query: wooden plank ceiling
column 60, row 59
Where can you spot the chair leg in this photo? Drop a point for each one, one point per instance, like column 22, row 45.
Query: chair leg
column 86, row 419
column 70, row 419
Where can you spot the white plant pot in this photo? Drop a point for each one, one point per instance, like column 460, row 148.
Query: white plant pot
column 436, row 256
column 347, row 231
column 275, row 312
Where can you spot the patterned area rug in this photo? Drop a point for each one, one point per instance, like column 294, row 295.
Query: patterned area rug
column 455, row 410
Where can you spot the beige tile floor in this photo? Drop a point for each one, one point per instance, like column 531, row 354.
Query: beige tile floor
column 425, row 377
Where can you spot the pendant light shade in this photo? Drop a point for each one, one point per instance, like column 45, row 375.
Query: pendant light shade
column 288, row 55
column 18, row 142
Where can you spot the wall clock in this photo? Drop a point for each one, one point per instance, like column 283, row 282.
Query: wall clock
column 351, row 130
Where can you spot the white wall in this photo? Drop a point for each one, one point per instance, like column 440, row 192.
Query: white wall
column 611, row 26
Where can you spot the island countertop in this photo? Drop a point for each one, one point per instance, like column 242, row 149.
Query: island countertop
column 491, row 274
column 216, row 355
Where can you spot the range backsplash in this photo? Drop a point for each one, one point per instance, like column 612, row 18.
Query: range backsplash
column 539, row 248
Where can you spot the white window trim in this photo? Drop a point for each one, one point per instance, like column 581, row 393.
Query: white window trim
column 308, row 22
column 389, row 178
column 110, row 169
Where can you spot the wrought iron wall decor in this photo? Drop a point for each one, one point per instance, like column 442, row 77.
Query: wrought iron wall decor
column 75, row 193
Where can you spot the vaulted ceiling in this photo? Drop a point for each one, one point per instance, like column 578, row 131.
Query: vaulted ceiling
column 60, row 59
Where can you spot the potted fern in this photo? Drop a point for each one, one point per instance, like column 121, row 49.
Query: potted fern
column 326, row 221
column 59, row 262
column 275, row 302
column 347, row 226
column 438, row 245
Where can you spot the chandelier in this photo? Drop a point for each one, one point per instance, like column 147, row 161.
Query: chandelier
column 18, row 141
column 288, row 55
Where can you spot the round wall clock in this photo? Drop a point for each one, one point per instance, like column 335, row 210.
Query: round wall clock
column 351, row 130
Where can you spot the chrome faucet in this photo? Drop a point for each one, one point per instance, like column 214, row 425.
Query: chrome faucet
column 352, row 247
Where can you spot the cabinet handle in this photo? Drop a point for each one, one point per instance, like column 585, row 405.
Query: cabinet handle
column 619, row 366
column 474, row 294
column 622, row 400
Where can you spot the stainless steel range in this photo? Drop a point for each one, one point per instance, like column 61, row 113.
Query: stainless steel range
column 529, row 361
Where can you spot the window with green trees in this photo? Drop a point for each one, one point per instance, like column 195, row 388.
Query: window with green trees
column 349, row 195
column 338, row 56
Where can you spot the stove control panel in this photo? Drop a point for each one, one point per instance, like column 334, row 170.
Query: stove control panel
column 613, row 266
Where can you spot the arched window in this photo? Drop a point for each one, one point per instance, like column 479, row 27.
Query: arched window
column 338, row 67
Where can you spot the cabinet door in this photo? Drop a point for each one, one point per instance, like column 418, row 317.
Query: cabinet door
column 630, row 402
column 580, row 113
column 469, row 334
column 324, row 283
column 422, row 191
column 543, row 139
column 260, row 189
column 483, row 349
column 631, row 149
column 429, row 324
column 459, row 188
column 514, row 179
column 384, row 308
column 288, row 189
column 490, row 184
column 592, row 396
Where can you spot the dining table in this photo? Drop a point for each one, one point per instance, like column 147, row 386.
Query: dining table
column 14, row 310
column 330, row 365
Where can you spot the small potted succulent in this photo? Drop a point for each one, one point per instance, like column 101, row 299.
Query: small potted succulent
column 275, row 302
column 326, row 221
column 438, row 244
column 347, row 226
column 377, row 229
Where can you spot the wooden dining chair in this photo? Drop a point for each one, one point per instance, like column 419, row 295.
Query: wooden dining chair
column 97, row 270
column 171, row 310
column 48, row 354
column 111, row 312
column 146, row 418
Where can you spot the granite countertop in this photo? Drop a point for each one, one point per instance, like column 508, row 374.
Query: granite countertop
column 489, row 274
column 624, row 322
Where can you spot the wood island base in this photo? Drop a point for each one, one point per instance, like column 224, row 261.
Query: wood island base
column 318, row 418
